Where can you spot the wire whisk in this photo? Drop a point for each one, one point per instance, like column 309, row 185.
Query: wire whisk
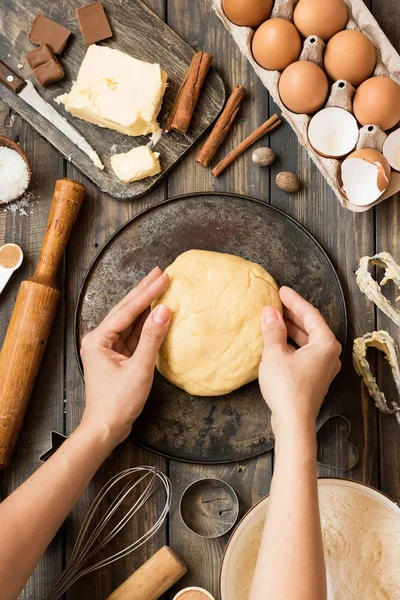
column 87, row 544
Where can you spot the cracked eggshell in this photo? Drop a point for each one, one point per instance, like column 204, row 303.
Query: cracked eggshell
column 247, row 13
column 322, row 18
column 333, row 132
column 391, row 149
column 365, row 176
column 276, row 44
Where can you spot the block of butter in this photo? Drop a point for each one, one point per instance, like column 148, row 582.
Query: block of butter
column 117, row 91
column 138, row 163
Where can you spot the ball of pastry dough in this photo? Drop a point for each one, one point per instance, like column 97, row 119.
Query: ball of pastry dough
column 214, row 344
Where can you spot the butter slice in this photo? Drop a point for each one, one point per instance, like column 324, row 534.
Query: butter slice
column 117, row 91
column 138, row 163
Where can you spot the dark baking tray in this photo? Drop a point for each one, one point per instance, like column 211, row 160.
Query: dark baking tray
column 224, row 428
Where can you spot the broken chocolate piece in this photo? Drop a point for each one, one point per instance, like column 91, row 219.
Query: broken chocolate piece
column 40, row 55
column 45, row 65
column 93, row 23
column 46, row 31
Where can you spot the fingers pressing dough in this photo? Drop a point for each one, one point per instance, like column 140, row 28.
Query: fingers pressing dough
column 214, row 344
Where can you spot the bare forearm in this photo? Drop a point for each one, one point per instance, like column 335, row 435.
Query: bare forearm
column 291, row 561
column 30, row 517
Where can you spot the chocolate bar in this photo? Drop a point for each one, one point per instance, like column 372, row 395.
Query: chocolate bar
column 45, row 65
column 46, row 31
column 93, row 23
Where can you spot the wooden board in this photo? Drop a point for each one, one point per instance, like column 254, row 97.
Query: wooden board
column 137, row 31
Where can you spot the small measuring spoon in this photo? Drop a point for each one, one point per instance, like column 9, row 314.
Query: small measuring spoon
column 6, row 272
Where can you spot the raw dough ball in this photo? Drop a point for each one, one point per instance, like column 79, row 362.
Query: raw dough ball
column 215, row 343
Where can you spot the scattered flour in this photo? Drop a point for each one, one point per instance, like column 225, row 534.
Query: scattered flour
column 362, row 548
column 23, row 205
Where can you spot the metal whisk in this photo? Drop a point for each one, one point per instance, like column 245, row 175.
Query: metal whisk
column 88, row 545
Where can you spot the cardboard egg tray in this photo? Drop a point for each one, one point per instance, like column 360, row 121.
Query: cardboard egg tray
column 388, row 64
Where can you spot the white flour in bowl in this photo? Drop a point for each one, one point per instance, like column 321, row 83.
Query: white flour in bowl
column 361, row 542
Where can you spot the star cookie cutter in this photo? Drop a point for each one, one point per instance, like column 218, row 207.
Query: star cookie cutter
column 383, row 342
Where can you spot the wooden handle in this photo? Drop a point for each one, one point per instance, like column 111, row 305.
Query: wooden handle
column 10, row 79
column 67, row 200
column 153, row 578
column 32, row 319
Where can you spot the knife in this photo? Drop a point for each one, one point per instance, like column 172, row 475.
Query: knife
column 26, row 90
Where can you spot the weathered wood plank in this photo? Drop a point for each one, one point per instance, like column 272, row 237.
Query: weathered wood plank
column 135, row 31
column 251, row 480
column 45, row 410
column 387, row 238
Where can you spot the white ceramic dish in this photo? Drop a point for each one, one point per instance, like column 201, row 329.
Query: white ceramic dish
column 240, row 538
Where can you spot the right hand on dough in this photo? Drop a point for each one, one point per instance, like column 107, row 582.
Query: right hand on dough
column 293, row 381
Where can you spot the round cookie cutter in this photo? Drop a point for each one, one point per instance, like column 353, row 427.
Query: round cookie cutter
column 209, row 507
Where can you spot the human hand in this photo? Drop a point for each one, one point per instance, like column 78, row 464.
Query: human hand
column 119, row 358
column 293, row 381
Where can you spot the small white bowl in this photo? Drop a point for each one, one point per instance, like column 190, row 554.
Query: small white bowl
column 194, row 589
column 6, row 272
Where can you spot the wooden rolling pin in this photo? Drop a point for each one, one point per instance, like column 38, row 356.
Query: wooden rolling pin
column 153, row 578
column 33, row 317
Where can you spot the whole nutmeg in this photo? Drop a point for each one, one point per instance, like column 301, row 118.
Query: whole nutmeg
column 263, row 157
column 288, row 182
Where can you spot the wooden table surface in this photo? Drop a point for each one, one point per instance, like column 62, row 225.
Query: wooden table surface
column 58, row 397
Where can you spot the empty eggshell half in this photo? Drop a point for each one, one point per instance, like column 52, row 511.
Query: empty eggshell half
column 391, row 149
column 365, row 176
column 333, row 132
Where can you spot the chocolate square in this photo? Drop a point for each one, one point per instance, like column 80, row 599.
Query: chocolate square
column 40, row 55
column 45, row 65
column 93, row 23
column 46, row 31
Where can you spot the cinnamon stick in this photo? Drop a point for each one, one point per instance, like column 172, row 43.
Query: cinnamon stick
column 265, row 128
column 189, row 92
column 221, row 127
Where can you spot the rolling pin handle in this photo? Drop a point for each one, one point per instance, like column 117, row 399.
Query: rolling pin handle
column 67, row 200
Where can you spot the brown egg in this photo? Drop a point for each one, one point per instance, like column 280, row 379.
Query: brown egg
column 248, row 13
column 303, row 87
column 324, row 19
column 377, row 102
column 351, row 56
column 276, row 44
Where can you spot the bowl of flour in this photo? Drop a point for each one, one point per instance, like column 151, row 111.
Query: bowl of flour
column 361, row 535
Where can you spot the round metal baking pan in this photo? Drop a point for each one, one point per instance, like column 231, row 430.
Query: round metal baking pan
column 236, row 426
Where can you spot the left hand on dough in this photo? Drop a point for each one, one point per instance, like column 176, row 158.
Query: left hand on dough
column 119, row 358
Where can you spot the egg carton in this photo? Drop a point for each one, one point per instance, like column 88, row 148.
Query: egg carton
column 388, row 65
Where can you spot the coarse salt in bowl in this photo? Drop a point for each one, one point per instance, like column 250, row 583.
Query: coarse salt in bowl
column 15, row 171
